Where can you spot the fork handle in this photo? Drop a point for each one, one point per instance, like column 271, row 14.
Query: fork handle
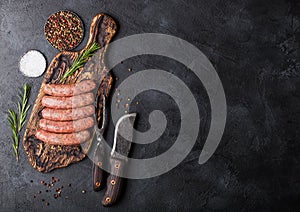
column 98, row 176
column 98, row 173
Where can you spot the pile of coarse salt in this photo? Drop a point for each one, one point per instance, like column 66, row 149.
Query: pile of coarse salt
column 33, row 64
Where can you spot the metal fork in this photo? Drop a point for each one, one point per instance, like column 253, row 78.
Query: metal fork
column 98, row 173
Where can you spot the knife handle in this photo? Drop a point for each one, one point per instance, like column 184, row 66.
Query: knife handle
column 114, row 183
column 98, row 173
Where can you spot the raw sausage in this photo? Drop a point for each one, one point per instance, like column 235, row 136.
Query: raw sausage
column 66, row 126
column 68, row 102
column 68, row 114
column 63, row 139
column 71, row 89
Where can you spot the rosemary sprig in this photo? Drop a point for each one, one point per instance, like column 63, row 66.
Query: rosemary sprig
column 17, row 122
column 23, row 106
column 81, row 60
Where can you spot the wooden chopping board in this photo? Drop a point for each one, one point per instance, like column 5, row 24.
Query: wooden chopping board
column 45, row 157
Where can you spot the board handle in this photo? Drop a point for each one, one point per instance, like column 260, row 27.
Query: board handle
column 103, row 28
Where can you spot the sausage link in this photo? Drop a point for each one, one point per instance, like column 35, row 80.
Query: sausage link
column 63, row 139
column 70, row 89
column 68, row 114
column 68, row 102
column 66, row 126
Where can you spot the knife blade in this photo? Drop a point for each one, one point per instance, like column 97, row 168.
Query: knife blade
column 118, row 158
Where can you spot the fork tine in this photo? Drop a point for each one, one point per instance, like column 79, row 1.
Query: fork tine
column 104, row 115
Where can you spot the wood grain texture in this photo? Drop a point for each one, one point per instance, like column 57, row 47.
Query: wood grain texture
column 45, row 157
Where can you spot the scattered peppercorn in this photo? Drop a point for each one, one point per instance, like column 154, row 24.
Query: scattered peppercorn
column 58, row 190
column 83, row 191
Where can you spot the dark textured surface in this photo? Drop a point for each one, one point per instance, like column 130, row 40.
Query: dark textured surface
column 254, row 46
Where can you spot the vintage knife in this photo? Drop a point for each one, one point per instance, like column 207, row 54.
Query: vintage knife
column 118, row 157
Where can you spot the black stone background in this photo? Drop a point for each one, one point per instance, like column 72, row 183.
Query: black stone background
column 253, row 45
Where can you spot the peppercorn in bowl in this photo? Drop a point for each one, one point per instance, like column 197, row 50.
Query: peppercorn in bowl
column 64, row 30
